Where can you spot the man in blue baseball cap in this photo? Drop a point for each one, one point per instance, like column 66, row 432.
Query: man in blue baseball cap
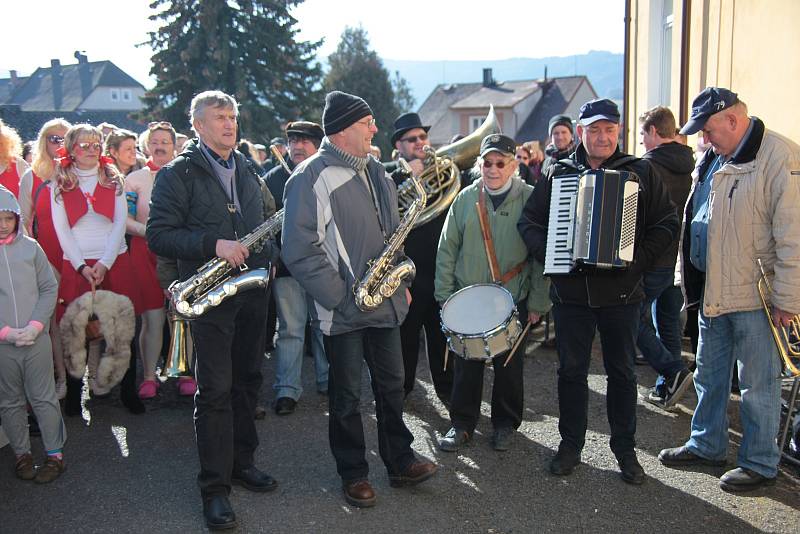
column 741, row 215
column 608, row 301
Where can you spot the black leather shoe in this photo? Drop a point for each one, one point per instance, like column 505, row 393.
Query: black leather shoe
column 743, row 479
column 630, row 469
column 218, row 513
column 253, row 479
column 565, row 461
column 285, row 406
column 679, row 456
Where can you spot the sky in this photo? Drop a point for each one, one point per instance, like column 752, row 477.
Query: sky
column 448, row 30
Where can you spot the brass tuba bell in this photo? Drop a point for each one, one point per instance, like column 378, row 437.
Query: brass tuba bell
column 787, row 339
column 441, row 178
column 177, row 363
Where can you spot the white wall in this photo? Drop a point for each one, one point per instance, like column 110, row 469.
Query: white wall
column 103, row 98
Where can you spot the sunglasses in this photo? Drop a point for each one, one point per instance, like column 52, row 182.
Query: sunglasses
column 158, row 124
column 87, row 146
column 499, row 164
column 55, row 139
column 413, row 138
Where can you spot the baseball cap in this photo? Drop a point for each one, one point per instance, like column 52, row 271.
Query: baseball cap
column 601, row 109
column 498, row 143
column 710, row 101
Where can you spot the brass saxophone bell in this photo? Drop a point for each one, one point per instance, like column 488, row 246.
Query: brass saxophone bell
column 177, row 363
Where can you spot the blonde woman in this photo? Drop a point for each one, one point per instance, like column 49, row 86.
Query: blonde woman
column 34, row 199
column 89, row 215
column 12, row 166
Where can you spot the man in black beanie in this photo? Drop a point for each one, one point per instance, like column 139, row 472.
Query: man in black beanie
column 340, row 209
column 561, row 145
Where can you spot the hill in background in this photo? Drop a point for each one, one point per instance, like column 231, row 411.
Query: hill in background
column 604, row 70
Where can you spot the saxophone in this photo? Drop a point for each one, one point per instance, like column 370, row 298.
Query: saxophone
column 216, row 281
column 382, row 277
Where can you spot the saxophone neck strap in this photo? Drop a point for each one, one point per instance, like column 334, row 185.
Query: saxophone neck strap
column 488, row 243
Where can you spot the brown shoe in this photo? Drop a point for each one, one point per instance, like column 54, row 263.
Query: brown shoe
column 418, row 471
column 359, row 493
column 51, row 470
column 25, row 469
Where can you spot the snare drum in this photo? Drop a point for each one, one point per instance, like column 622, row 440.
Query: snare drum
column 480, row 322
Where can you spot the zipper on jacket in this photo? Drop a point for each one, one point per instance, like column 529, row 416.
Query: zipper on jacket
column 730, row 195
column 11, row 285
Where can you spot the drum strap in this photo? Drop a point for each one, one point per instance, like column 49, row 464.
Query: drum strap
column 488, row 243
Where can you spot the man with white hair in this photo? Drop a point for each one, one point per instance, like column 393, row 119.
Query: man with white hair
column 203, row 203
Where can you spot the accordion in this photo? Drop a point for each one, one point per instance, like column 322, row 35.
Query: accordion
column 592, row 221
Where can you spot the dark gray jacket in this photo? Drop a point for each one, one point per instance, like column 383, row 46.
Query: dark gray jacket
column 331, row 231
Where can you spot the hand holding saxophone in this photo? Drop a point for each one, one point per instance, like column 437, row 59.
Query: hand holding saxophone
column 232, row 251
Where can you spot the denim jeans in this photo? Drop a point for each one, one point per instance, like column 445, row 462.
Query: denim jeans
column 575, row 328
column 290, row 300
column 229, row 349
column 380, row 348
column 742, row 337
column 659, row 337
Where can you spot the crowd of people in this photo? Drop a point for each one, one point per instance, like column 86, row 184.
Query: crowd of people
column 102, row 208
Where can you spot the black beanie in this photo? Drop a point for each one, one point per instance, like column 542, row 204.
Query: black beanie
column 559, row 120
column 342, row 110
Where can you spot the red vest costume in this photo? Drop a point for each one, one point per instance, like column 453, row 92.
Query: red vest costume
column 10, row 178
column 76, row 203
column 45, row 231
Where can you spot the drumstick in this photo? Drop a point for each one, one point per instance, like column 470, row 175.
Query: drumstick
column 516, row 345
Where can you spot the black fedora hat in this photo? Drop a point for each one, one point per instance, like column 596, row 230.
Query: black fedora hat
column 406, row 122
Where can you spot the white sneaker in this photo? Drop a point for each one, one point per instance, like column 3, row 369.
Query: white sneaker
column 61, row 389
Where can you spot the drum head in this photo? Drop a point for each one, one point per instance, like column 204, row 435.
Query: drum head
column 477, row 309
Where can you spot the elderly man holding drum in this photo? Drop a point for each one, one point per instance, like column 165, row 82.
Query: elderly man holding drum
column 487, row 286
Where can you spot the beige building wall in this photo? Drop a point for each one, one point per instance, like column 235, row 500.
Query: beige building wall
column 749, row 46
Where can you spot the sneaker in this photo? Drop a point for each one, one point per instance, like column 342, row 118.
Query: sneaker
column 25, row 468
column 454, row 439
column 501, row 439
column 186, row 386
column 61, row 389
column 148, row 389
column 677, row 386
column 655, row 397
column 51, row 470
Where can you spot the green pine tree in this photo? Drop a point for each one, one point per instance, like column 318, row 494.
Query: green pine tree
column 356, row 69
column 247, row 49
column 403, row 97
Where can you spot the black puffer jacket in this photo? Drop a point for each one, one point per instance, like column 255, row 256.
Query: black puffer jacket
column 657, row 225
column 276, row 180
column 188, row 211
column 673, row 163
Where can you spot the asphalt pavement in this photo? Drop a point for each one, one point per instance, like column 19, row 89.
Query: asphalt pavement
column 137, row 473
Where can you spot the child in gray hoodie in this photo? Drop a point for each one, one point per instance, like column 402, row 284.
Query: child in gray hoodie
column 28, row 292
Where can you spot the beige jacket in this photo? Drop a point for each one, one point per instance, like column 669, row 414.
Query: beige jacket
column 754, row 213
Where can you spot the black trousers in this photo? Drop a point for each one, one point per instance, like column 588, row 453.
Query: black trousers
column 229, row 345
column 507, row 391
column 346, row 353
column 424, row 313
column 575, row 328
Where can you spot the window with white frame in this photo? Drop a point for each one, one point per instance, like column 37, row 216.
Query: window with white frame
column 115, row 95
column 665, row 86
column 475, row 121
column 126, row 95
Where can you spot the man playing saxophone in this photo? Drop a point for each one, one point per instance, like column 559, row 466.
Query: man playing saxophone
column 203, row 203
column 340, row 212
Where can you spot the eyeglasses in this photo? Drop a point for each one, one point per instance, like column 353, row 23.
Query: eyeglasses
column 488, row 164
column 159, row 124
column 55, row 139
column 413, row 138
column 87, row 146
column 369, row 123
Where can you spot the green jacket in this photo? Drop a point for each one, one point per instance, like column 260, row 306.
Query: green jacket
column 461, row 258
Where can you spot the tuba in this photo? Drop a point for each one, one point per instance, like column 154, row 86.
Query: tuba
column 787, row 339
column 441, row 178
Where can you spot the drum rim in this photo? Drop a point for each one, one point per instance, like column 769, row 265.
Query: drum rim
column 500, row 326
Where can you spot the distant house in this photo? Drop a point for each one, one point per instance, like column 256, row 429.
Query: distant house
column 523, row 107
column 96, row 91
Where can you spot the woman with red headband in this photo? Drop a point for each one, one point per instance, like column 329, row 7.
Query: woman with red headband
column 34, row 200
column 89, row 215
